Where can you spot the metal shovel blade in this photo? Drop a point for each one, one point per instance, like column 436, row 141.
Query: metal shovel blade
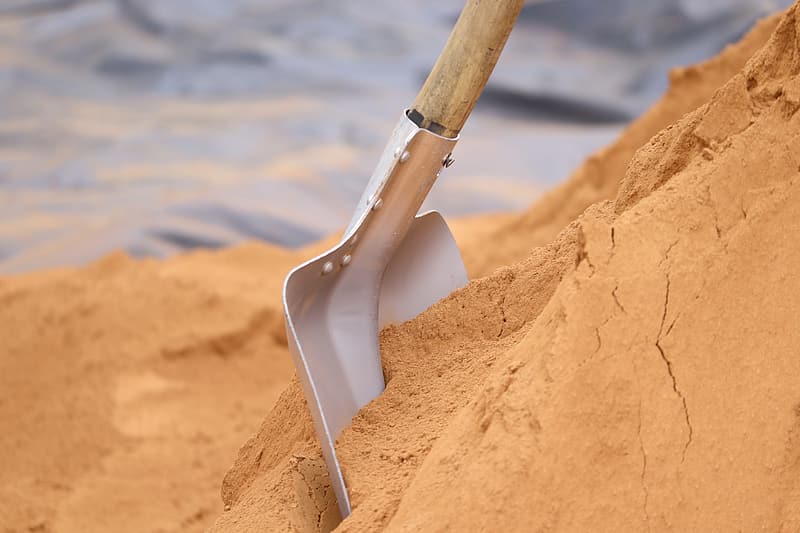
column 389, row 267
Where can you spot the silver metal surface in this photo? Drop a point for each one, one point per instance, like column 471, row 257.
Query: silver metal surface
column 389, row 266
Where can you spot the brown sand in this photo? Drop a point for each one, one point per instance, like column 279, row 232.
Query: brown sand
column 530, row 399
column 638, row 372
column 128, row 385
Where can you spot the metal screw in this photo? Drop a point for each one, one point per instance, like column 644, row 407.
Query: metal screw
column 448, row 160
column 327, row 268
column 346, row 259
column 378, row 204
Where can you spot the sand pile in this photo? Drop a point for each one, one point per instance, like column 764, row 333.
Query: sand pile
column 593, row 380
column 637, row 372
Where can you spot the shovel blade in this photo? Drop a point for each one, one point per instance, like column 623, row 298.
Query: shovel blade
column 333, row 321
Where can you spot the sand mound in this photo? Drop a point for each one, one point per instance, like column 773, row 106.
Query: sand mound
column 638, row 371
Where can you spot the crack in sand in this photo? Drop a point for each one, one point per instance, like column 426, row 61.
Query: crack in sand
column 672, row 325
column 599, row 340
column 598, row 337
column 310, row 491
column 616, row 299
column 502, row 309
column 643, row 479
column 709, row 202
column 668, row 363
column 666, row 258
column 582, row 254
column 322, row 512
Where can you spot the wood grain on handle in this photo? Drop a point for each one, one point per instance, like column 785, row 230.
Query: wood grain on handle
column 456, row 81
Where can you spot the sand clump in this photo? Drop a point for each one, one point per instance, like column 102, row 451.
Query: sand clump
column 634, row 369
column 637, row 372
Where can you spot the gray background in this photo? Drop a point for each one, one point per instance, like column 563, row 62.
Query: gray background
column 160, row 125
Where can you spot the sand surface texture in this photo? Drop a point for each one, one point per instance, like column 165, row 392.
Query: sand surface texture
column 637, row 372
column 128, row 385
column 634, row 370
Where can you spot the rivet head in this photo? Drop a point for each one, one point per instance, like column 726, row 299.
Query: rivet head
column 404, row 156
column 346, row 259
column 378, row 204
column 448, row 160
column 327, row 268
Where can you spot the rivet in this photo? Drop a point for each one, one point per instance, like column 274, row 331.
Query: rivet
column 327, row 268
column 378, row 204
column 404, row 156
column 346, row 259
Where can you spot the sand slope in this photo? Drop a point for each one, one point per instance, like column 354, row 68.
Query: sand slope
column 599, row 177
column 637, row 372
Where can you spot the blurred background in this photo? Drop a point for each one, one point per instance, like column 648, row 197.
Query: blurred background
column 156, row 126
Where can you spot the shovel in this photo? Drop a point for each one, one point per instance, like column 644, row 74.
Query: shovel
column 391, row 264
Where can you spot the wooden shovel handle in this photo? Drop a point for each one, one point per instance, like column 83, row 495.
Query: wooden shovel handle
column 456, row 81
